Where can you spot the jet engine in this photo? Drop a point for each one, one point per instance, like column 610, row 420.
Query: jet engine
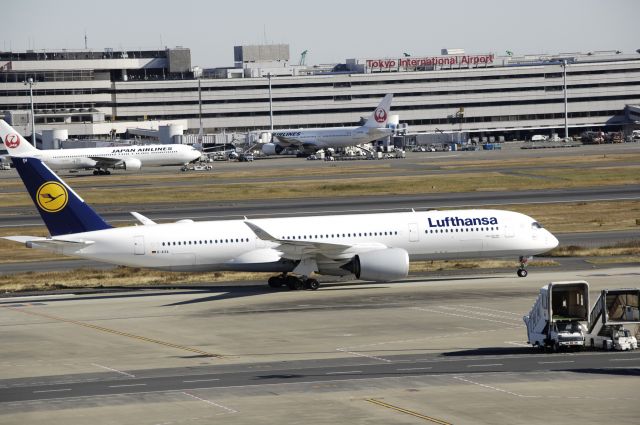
column 272, row 149
column 380, row 265
column 130, row 164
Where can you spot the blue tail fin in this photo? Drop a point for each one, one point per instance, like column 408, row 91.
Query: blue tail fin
column 63, row 211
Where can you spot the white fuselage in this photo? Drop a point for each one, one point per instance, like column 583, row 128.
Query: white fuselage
column 232, row 245
column 332, row 137
column 84, row 158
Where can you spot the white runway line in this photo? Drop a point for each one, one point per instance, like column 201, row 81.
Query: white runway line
column 341, row 373
column 52, row 391
column 228, row 409
column 202, row 380
column 114, row 370
column 127, row 385
column 486, row 365
column 557, row 362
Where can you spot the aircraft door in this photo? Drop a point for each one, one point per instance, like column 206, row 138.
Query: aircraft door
column 138, row 245
column 414, row 235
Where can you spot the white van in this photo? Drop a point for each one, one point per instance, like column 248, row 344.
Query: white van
column 538, row 138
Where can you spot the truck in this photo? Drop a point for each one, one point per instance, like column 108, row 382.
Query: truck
column 557, row 319
column 612, row 313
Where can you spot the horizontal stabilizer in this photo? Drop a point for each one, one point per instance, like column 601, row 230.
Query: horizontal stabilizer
column 142, row 219
column 48, row 244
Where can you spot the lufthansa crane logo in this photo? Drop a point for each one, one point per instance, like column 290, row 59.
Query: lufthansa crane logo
column 52, row 197
column 380, row 115
column 12, row 141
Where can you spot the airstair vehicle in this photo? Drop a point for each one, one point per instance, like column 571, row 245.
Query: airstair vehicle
column 559, row 316
column 614, row 319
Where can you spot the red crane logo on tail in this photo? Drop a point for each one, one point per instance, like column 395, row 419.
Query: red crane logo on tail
column 380, row 115
column 12, row 141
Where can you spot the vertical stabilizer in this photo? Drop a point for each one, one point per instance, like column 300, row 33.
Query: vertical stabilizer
column 16, row 144
column 381, row 114
column 61, row 209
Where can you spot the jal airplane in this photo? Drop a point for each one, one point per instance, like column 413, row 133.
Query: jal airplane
column 310, row 140
column 130, row 158
column 375, row 247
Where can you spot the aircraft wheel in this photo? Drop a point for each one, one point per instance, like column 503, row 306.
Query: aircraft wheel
column 522, row 273
column 275, row 282
column 107, row 172
column 96, row 172
column 312, row 284
column 294, row 284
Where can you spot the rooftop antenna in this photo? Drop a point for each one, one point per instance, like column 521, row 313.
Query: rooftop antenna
column 264, row 33
column 85, row 40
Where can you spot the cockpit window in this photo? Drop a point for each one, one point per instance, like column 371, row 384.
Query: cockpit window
column 536, row 225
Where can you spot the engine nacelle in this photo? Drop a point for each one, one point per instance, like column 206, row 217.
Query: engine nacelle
column 131, row 164
column 380, row 265
column 272, row 149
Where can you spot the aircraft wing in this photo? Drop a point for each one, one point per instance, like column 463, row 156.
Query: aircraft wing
column 287, row 140
column 106, row 162
column 294, row 249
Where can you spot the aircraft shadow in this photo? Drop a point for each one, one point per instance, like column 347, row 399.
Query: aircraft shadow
column 493, row 351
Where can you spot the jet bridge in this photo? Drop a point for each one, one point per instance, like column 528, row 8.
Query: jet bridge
column 614, row 310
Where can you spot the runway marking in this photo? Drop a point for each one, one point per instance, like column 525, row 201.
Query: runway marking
column 127, row 385
column 402, row 341
column 407, row 411
column 490, row 309
column 340, row 373
column 115, row 332
column 202, row 380
column 114, row 370
column 228, row 409
column 624, row 360
column 494, row 388
column 459, row 378
column 557, row 362
column 429, row 310
column 52, row 391
column 485, row 365
column 364, row 355
column 414, row 368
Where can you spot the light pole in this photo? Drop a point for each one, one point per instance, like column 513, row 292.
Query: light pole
column 270, row 103
column 564, row 79
column 200, row 110
column 30, row 82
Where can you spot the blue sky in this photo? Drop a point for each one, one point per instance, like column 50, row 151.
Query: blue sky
column 330, row 30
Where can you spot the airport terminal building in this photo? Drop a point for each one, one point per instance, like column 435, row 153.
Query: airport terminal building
column 98, row 93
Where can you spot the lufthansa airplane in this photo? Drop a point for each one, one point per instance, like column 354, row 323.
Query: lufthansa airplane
column 375, row 247
column 130, row 158
column 310, row 140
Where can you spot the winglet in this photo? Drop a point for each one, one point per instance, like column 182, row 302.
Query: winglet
column 260, row 232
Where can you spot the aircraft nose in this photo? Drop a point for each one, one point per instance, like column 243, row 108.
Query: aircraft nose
column 551, row 241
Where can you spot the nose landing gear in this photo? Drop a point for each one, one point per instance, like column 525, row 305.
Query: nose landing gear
column 522, row 270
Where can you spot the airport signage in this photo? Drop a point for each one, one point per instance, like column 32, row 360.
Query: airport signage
column 409, row 62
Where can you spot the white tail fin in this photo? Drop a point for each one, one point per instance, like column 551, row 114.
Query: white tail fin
column 16, row 144
column 381, row 114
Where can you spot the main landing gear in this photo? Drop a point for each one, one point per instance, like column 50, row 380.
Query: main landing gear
column 522, row 270
column 294, row 283
column 101, row 172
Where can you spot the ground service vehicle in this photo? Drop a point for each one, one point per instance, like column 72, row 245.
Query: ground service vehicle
column 613, row 310
column 557, row 318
